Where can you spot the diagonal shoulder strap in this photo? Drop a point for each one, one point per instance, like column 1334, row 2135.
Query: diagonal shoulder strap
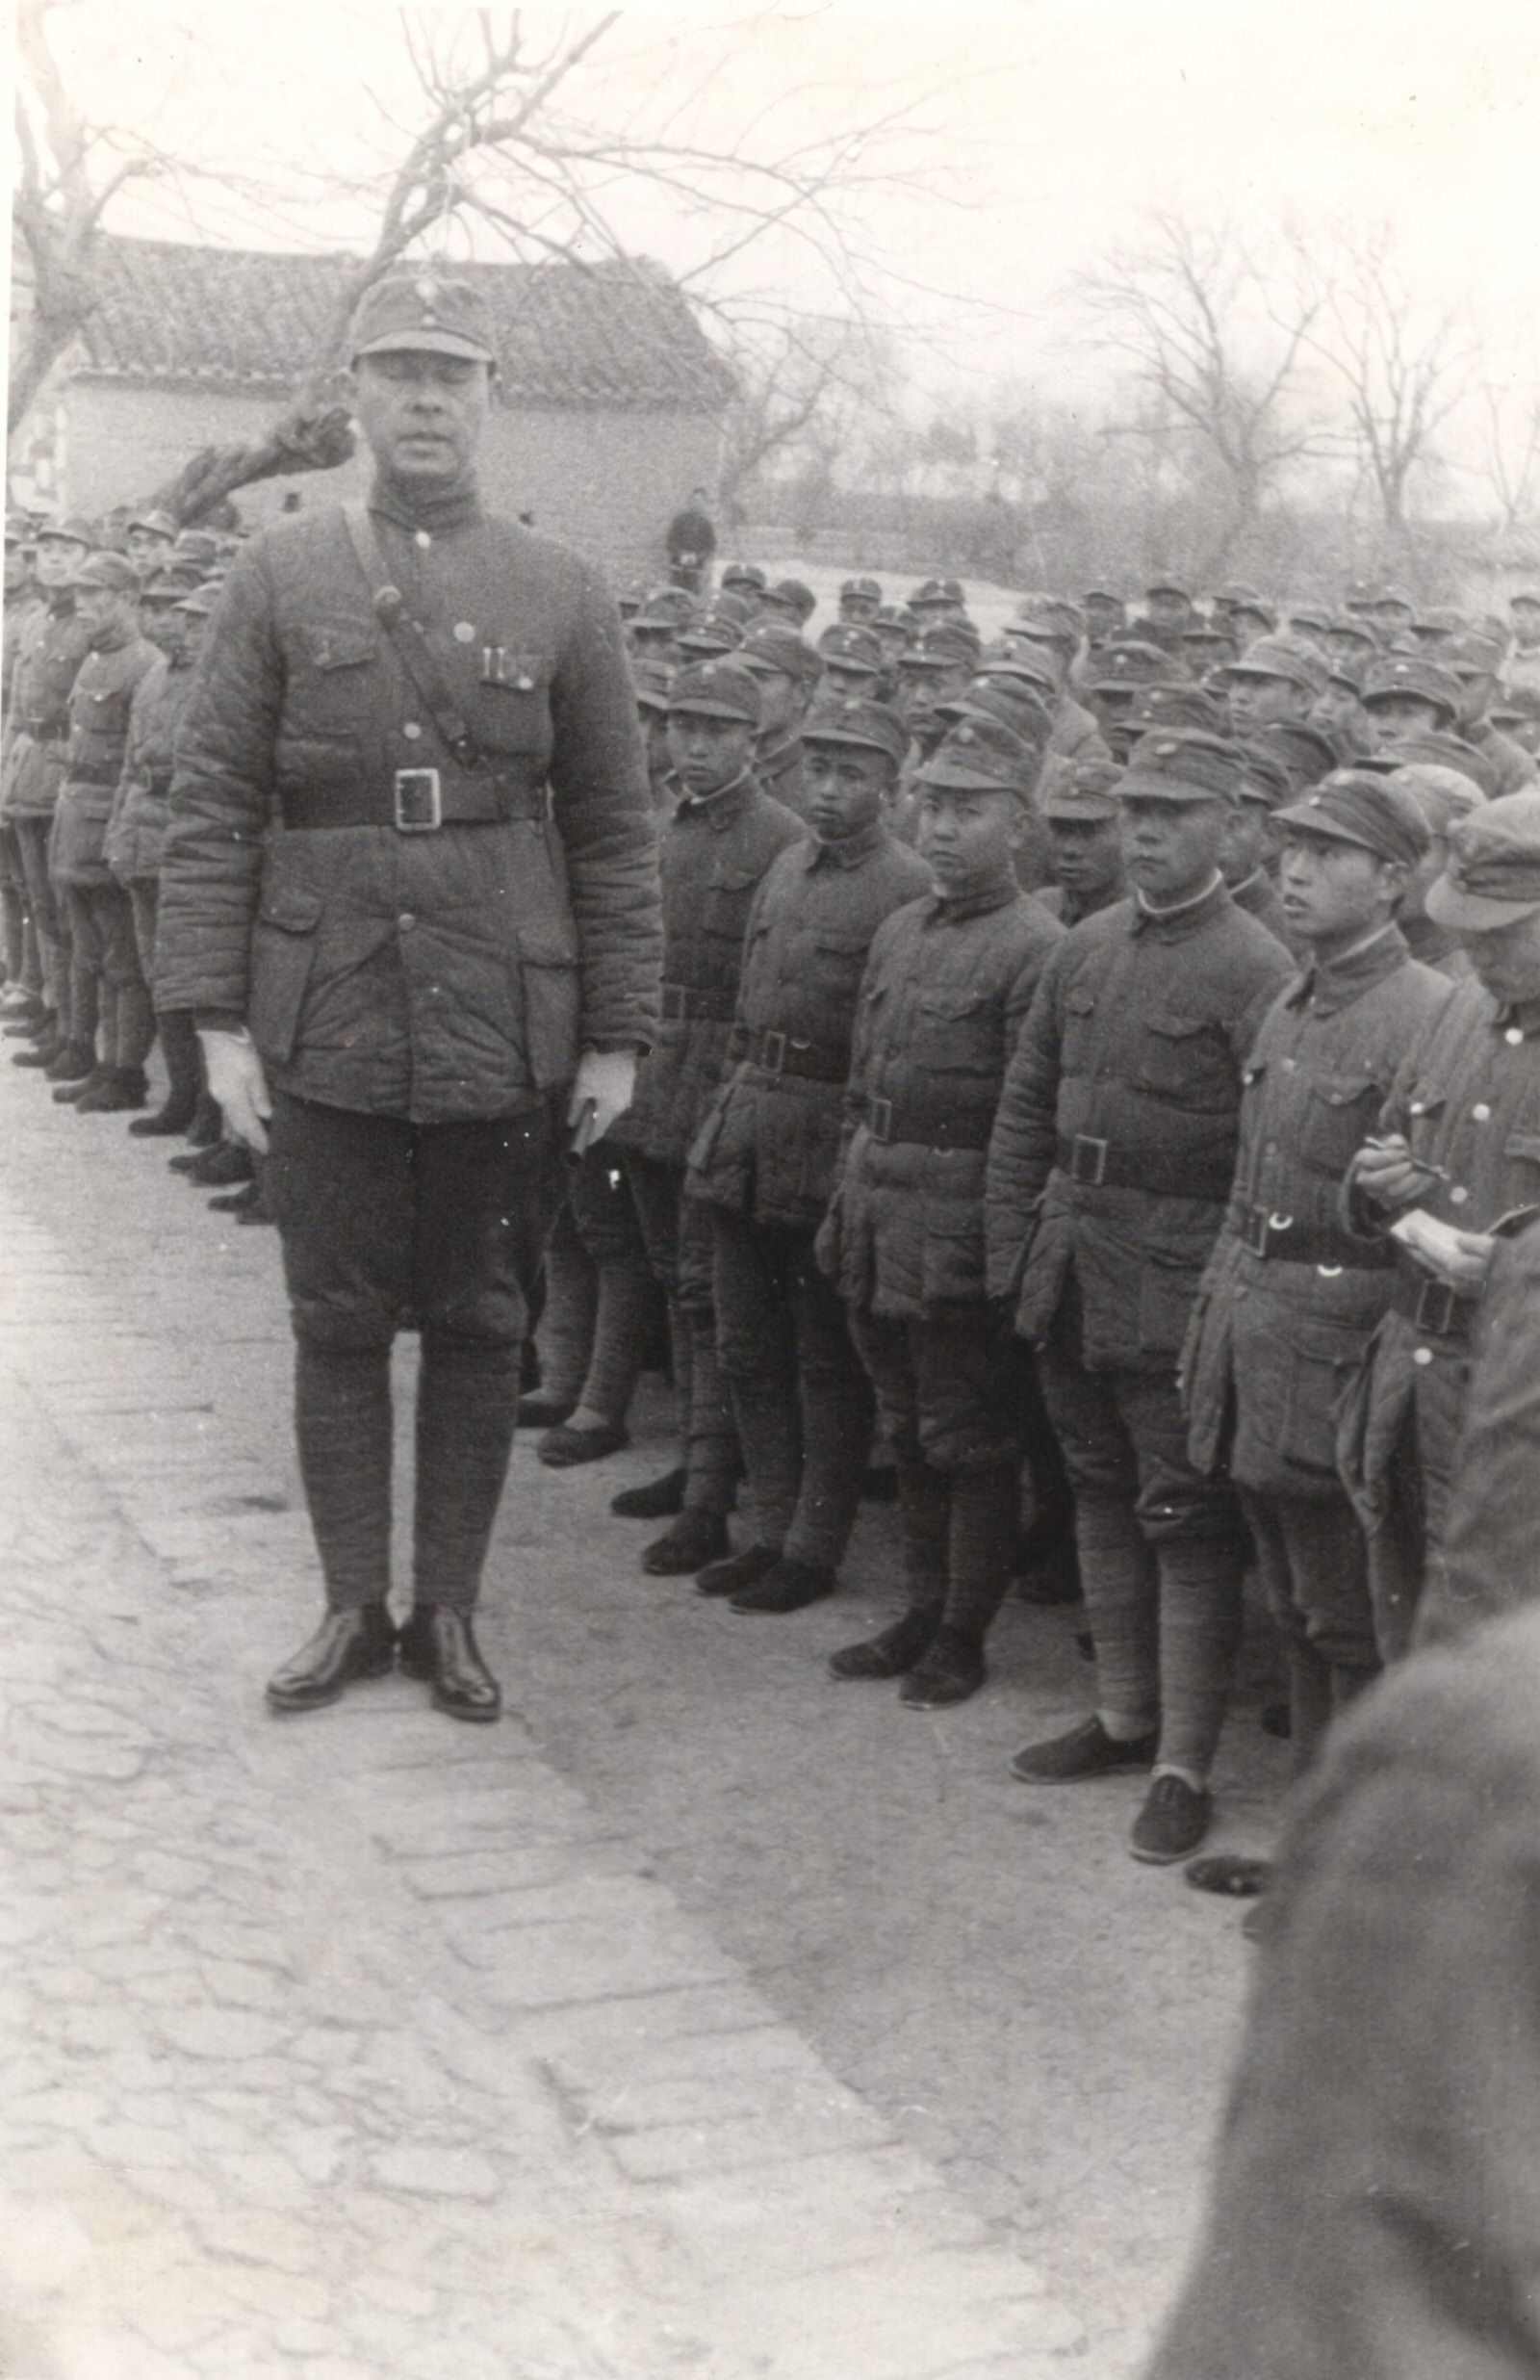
column 412, row 648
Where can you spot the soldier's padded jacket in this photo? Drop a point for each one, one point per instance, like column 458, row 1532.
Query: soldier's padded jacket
column 769, row 1148
column 135, row 831
column 947, row 987
column 438, row 976
column 1137, row 1040
column 100, row 703
column 48, row 661
column 716, row 849
column 1273, row 1341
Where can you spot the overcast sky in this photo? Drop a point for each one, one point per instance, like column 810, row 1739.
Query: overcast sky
column 1038, row 127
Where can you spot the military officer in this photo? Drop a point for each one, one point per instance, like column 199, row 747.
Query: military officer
column 37, row 732
column 1109, row 1169
column 409, row 889
column 765, row 1157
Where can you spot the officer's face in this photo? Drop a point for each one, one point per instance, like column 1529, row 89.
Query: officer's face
column 1170, row 849
column 1087, row 854
column 56, row 559
column 1508, row 958
column 968, row 838
column 1256, row 702
column 1391, row 716
column 708, row 753
column 421, row 415
column 844, row 786
column 1334, row 891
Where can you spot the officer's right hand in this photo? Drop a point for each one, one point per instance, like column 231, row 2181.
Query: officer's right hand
column 236, row 1079
column 1385, row 1171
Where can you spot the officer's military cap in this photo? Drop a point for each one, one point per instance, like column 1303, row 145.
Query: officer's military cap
column 71, row 531
column 201, row 603
column 1088, row 790
column 155, row 524
column 937, row 591
column 776, row 645
column 1266, row 777
column 745, row 573
column 1353, row 805
column 1047, row 616
column 1282, row 656
column 112, row 571
column 1438, row 747
column 1176, row 706
column 713, row 635
column 1415, row 674
column 943, row 646
column 1004, row 699
column 853, row 647
column 1308, row 753
column 1168, row 586
column 1309, row 615
column 855, row 720
column 420, row 311
column 716, row 690
column 1125, row 666
column 794, row 597
column 1476, row 656
column 1184, row 768
column 1492, row 876
column 1441, row 794
column 983, row 756
column 867, row 589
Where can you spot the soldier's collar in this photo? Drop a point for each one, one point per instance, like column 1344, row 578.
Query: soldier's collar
column 1181, row 915
column 1326, row 987
column 948, row 906
column 1521, row 1016
column 717, row 808
column 437, row 510
column 849, row 850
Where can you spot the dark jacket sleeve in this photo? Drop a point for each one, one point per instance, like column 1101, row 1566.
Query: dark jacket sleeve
column 1021, row 1151
column 605, row 816
column 221, row 794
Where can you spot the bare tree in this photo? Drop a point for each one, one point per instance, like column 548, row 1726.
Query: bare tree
column 1194, row 315
column 804, row 382
column 1512, row 453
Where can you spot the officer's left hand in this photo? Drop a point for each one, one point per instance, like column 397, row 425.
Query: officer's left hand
column 606, row 1079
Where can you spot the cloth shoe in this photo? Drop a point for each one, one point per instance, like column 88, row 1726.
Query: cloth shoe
column 894, row 1651
column 67, row 1091
column 789, row 1587
column 539, row 1409
column 1086, row 1750
column 658, row 1500
column 1173, row 1822
column 564, row 1448
column 438, row 1646
column 695, row 1539
column 949, row 1672
column 120, row 1089
column 735, row 1572
column 73, row 1062
column 349, row 1644
column 1230, row 1873
column 207, row 1128
column 219, row 1167
column 45, row 1049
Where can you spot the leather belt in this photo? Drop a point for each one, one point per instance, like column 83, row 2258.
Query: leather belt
column 1430, row 1305
column 1165, row 1173
column 414, row 801
column 781, row 1054
column 1279, row 1240
column 887, row 1122
column 685, row 1005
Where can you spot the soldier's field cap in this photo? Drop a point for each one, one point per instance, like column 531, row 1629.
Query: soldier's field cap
column 943, row 646
column 1121, row 668
column 1047, row 616
column 1306, row 752
column 198, row 546
column 1361, row 631
column 1441, row 794
column 794, row 597
column 776, row 645
column 1266, row 777
column 1170, row 704
column 421, row 312
column 853, row 719
column 650, row 682
column 1104, row 595
column 1309, row 615
column 1186, row 767
column 716, row 690
column 1416, row 674
column 983, row 756
column 1088, row 791
column 701, row 639
column 1005, row 699
column 201, row 603
column 745, row 573
column 1017, row 667
column 1353, row 807
column 1517, row 706
column 853, row 647
column 1492, row 877
column 1282, row 656
column 71, row 531
column 1169, row 586
column 1474, row 654
column 937, row 591
column 156, row 524
column 896, row 615
column 1439, row 749
column 112, row 571
column 164, row 586
column 1388, row 593
column 18, row 533
column 867, row 589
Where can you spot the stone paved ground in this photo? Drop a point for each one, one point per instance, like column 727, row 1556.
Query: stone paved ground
column 699, row 2019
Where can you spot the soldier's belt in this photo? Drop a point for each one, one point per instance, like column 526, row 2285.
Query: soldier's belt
column 685, row 1005
column 414, row 801
column 1280, row 1240
column 1430, row 1305
column 1165, row 1173
column 888, row 1123
column 57, row 732
column 781, row 1054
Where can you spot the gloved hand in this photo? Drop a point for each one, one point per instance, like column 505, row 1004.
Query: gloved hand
column 606, row 1079
column 236, row 1079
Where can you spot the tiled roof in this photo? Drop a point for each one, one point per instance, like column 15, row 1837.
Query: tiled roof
column 618, row 333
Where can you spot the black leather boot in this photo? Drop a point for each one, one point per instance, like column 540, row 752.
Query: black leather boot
column 346, row 1646
column 438, row 1646
column 179, row 1043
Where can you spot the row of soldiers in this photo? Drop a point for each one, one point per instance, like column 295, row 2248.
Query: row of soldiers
column 1053, row 1032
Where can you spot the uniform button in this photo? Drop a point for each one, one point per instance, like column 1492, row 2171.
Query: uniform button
column 406, row 921
column 1422, row 1355
column 422, row 538
column 1481, row 1112
column 411, row 730
column 1514, row 1034
column 526, row 686
column 1458, row 1194
column 464, row 632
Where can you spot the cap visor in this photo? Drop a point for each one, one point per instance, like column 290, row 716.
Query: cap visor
column 955, row 777
column 1473, row 912
column 862, row 743
column 426, row 343
column 1171, row 790
column 1311, row 822
column 710, row 710
column 1075, row 806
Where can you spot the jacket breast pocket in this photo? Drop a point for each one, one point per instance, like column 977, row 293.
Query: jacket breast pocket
column 838, row 960
column 283, row 955
column 1079, row 1030
column 1339, row 1116
column 958, row 1032
column 729, row 898
column 1185, row 1058
column 333, row 676
column 512, row 708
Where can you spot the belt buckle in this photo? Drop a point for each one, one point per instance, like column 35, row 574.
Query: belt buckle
column 880, row 1118
column 1438, row 1307
column 772, row 1051
column 1087, row 1160
column 418, row 801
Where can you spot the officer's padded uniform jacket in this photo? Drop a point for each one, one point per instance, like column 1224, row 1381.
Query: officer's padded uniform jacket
column 1289, row 1299
column 769, row 1148
column 100, row 702
column 946, row 989
column 715, row 852
column 1134, row 1048
column 443, row 976
column 135, row 831
column 48, row 659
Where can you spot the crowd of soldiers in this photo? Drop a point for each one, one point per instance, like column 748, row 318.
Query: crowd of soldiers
column 1094, row 1066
